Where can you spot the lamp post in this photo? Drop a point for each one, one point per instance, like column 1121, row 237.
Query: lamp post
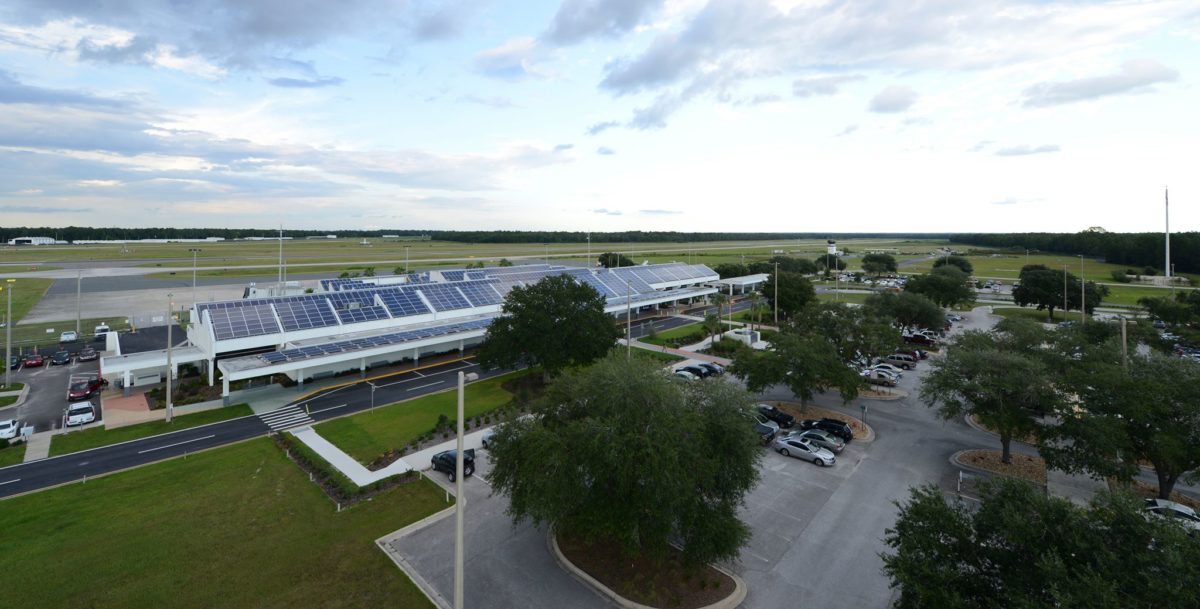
column 373, row 387
column 78, row 300
column 776, row 294
column 170, row 325
column 1082, row 294
column 406, row 258
column 461, row 500
column 194, row 251
column 8, row 324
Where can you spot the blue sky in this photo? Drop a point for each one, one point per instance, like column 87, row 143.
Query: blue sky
column 792, row 115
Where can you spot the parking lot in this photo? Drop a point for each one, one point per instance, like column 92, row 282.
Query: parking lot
column 47, row 399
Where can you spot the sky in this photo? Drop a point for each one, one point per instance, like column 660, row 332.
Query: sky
column 588, row 115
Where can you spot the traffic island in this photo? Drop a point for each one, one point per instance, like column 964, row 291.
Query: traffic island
column 862, row 431
column 643, row 583
column 1026, row 467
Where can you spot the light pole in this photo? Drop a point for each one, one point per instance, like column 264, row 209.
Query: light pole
column 78, row 299
column 170, row 324
column 1064, row 293
column 1082, row 294
column 776, row 294
column 628, row 322
column 194, row 251
column 589, row 258
column 461, row 500
column 546, row 253
column 8, row 324
column 373, row 387
column 406, row 258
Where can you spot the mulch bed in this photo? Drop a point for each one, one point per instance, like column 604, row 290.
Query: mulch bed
column 816, row 412
column 1150, row 491
column 1026, row 467
column 667, row 584
column 1030, row 439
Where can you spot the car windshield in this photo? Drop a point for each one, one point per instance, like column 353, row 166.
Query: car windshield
column 80, row 410
column 62, row 354
column 7, row 424
column 79, row 385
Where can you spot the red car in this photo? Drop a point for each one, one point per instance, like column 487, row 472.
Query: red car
column 33, row 361
column 82, row 390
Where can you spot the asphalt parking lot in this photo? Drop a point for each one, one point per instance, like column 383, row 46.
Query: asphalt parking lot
column 47, row 400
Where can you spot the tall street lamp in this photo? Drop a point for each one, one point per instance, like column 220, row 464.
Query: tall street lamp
column 78, row 300
column 194, row 251
column 170, row 325
column 1082, row 294
column 461, row 501
column 8, row 324
column 406, row 258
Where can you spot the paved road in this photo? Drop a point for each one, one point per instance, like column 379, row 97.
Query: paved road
column 57, row 470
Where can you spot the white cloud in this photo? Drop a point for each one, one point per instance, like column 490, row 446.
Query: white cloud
column 892, row 99
column 1134, row 76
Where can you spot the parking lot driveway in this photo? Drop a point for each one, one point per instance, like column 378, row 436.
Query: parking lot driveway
column 505, row 566
column 47, row 399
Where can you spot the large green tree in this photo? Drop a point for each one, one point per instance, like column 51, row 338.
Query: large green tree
column 610, row 260
column 878, row 264
column 946, row 286
column 907, row 309
column 621, row 453
column 795, row 292
column 731, row 269
column 1171, row 310
column 959, row 262
column 1002, row 377
column 1147, row 411
column 1043, row 287
column 853, row 331
column 829, row 262
column 1022, row 548
column 790, row 264
column 804, row 361
column 554, row 323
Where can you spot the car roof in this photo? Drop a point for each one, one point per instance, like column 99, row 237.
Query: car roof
column 1179, row 507
column 75, row 405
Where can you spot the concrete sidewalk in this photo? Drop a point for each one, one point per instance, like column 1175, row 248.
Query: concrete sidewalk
column 360, row 475
column 724, row 361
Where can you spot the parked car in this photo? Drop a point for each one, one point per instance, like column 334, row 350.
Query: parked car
column 901, row 360
column 33, row 361
column 60, row 358
column 880, row 377
column 1177, row 511
column 1159, row 324
column 695, row 371
column 824, row 439
column 80, row 413
column 920, row 339
column 684, row 374
column 87, row 354
column 715, row 369
column 792, row 446
column 765, row 427
column 100, row 333
column 81, row 390
column 487, row 436
column 9, row 429
column 838, row 428
column 780, row 417
column 69, row 336
column 895, row 370
column 14, row 362
column 917, row 354
column 445, row 462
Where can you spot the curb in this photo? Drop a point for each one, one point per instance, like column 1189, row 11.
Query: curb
column 422, row 584
column 899, row 394
column 734, row 599
column 954, row 460
column 22, row 395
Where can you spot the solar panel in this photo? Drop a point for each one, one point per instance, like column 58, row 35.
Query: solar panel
column 402, row 302
column 588, row 279
column 311, row 351
column 481, row 294
column 241, row 322
column 444, row 297
column 360, row 314
column 476, row 275
column 453, row 275
column 304, row 314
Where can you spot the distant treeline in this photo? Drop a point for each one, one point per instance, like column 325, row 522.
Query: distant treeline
column 84, row 233
column 1137, row 250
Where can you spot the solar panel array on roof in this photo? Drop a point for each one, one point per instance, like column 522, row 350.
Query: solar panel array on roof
column 352, row 299
column 476, row 275
column 591, row 280
column 444, row 297
column 357, row 314
column 358, row 344
column 418, row 277
column 302, row 314
column 453, row 275
column 242, row 322
column 481, row 294
column 402, row 303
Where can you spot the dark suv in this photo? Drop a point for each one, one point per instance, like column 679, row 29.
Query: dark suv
column 445, row 462
column 784, row 419
column 838, row 428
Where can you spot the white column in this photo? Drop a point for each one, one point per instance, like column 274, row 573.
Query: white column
column 225, row 390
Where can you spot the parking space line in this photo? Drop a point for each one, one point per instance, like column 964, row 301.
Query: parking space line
column 150, row 450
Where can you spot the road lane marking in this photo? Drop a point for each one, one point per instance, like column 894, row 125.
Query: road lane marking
column 150, row 450
column 424, row 386
column 10, row 482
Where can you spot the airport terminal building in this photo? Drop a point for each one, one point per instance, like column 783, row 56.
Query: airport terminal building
column 356, row 324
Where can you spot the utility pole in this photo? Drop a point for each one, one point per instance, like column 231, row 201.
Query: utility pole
column 78, row 300
column 194, row 251
column 406, row 258
column 8, row 324
column 628, row 322
column 1167, row 211
column 279, row 290
column 776, row 294
column 170, row 325
column 1082, row 294
column 460, row 499
column 1124, row 346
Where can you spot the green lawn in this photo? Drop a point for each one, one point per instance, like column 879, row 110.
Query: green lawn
column 841, row 297
column 691, row 333
column 1008, row 266
column 12, row 455
column 238, row 526
column 76, row 441
column 25, row 294
column 659, row 356
column 11, row 386
column 367, row 435
column 8, row 400
column 1130, row 294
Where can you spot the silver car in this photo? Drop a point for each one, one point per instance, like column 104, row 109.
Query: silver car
column 791, row 446
column 821, row 438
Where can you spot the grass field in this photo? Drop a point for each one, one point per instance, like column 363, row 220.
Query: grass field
column 238, row 526
column 658, row 356
column 12, row 386
column 8, row 400
column 12, row 454
column 1008, row 266
column 25, row 294
column 841, row 297
column 94, row 437
column 367, row 435
column 666, row 337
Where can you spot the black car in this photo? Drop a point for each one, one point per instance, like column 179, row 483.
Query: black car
column 60, row 358
column 784, row 419
column 714, row 369
column 696, row 370
column 445, row 462
column 87, row 354
column 838, row 428
column 14, row 362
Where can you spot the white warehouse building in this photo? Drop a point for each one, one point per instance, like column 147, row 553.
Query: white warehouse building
column 355, row 324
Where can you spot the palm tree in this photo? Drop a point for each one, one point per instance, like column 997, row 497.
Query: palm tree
column 720, row 300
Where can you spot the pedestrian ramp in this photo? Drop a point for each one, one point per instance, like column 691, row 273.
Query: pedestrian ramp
column 286, row 418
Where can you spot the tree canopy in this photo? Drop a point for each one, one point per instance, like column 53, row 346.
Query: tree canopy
column 1022, row 548
column 854, row 332
column 620, row 452
column 829, row 262
column 908, row 309
column 731, row 269
column 1043, row 287
column 795, row 292
column 878, row 264
column 610, row 260
column 555, row 323
column 960, row 262
column 946, row 286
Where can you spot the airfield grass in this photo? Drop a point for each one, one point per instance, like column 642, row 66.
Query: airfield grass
column 25, row 294
column 239, row 526
column 369, row 434
column 1008, row 266
column 95, row 437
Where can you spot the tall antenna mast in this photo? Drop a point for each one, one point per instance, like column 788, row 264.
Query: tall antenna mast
column 280, row 290
column 1167, row 209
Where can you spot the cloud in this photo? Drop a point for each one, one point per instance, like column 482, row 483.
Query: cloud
column 30, row 191
column 893, row 99
column 578, row 20
column 599, row 128
column 1134, row 76
column 100, row 183
column 981, row 145
column 764, row 98
column 659, row 212
column 848, row 130
column 1008, row 201
column 821, row 85
column 12, row 91
column 513, row 60
column 39, row 209
column 606, row 212
column 302, row 83
column 563, row 147
column 497, row 102
column 1025, row 149
column 606, row 151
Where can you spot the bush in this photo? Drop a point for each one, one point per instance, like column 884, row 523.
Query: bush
column 1148, row 271
column 1120, row 276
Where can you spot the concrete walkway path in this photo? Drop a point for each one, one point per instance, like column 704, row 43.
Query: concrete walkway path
column 38, row 446
column 724, row 361
column 360, row 475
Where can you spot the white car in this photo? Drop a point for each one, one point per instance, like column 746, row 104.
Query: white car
column 888, row 368
column 684, row 374
column 80, row 413
column 795, row 446
column 9, row 429
column 68, row 337
column 1178, row 512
